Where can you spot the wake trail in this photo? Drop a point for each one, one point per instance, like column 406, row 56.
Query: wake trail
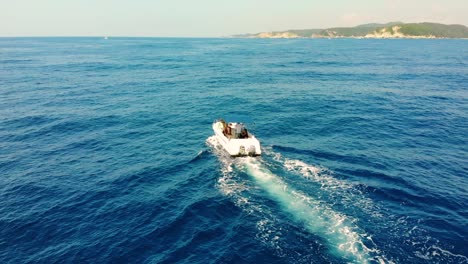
column 339, row 232
column 317, row 217
column 350, row 193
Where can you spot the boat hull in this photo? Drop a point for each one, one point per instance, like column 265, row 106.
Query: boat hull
column 237, row 147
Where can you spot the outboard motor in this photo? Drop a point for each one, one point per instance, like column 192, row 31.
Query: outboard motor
column 252, row 150
column 242, row 150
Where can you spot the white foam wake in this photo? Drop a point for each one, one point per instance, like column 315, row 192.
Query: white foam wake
column 342, row 236
column 318, row 174
column 238, row 188
column 352, row 197
column 349, row 196
column 335, row 228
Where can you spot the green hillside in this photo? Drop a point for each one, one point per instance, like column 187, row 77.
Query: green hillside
column 434, row 29
column 373, row 30
column 305, row 33
column 379, row 25
column 347, row 31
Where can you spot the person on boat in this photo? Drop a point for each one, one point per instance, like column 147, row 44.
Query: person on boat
column 244, row 133
column 239, row 127
column 225, row 127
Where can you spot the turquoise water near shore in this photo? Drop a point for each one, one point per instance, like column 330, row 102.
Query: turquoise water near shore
column 107, row 152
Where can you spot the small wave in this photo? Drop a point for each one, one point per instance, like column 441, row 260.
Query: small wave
column 200, row 155
column 318, row 174
column 28, row 121
column 15, row 61
column 354, row 160
column 437, row 251
column 416, row 239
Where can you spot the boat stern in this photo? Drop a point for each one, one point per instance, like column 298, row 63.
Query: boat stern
column 237, row 147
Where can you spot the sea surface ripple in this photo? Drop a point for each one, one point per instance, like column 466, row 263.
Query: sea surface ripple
column 107, row 153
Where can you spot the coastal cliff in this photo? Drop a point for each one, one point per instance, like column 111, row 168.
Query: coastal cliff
column 388, row 30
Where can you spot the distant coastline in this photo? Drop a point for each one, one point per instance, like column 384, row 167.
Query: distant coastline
column 392, row 30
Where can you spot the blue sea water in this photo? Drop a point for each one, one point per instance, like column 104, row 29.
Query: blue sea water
column 107, row 152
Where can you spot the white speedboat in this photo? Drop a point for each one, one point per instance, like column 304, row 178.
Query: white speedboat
column 235, row 139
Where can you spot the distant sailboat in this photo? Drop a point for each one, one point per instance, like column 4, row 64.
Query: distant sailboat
column 105, row 37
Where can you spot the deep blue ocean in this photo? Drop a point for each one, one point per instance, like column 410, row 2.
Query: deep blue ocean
column 107, row 153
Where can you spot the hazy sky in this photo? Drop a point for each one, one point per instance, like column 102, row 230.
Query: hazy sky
column 211, row 18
